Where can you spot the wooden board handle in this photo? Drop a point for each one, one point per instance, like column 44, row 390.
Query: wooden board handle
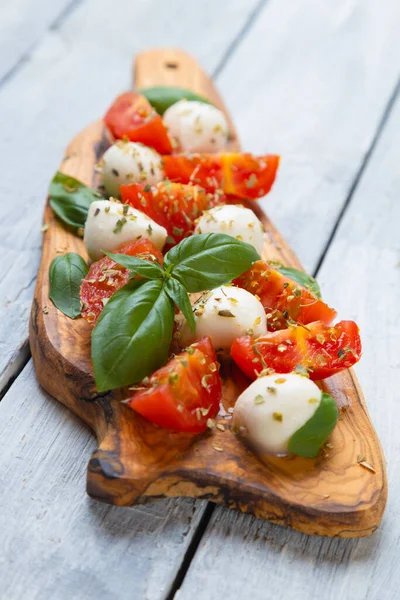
column 166, row 66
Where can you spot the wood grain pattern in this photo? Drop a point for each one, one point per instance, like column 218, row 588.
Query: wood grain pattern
column 136, row 462
column 57, row 543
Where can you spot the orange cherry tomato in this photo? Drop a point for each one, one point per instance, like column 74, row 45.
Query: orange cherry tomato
column 236, row 174
column 283, row 298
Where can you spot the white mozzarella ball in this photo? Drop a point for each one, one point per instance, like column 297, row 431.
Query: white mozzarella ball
column 273, row 408
column 110, row 224
column 234, row 220
column 196, row 126
column 128, row 162
column 225, row 314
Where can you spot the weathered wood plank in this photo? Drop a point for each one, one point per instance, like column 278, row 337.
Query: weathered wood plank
column 70, row 79
column 22, row 24
column 361, row 277
column 56, row 542
column 57, row 60
column 314, row 81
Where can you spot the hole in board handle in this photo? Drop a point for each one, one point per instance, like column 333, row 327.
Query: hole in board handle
column 171, row 65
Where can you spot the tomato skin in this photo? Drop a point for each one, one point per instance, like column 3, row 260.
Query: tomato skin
column 241, row 175
column 97, row 286
column 175, row 206
column 322, row 350
column 283, row 298
column 133, row 117
column 190, row 381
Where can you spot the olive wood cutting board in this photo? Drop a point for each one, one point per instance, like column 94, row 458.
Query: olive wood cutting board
column 340, row 493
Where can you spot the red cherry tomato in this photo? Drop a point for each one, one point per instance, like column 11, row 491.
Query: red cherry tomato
column 173, row 205
column 321, row 350
column 236, row 174
column 132, row 116
column 185, row 393
column 105, row 277
column 283, row 298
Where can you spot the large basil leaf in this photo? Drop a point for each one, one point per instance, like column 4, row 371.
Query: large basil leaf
column 132, row 336
column 307, row 440
column 70, row 199
column 65, row 274
column 138, row 266
column 162, row 97
column 179, row 295
column 205, row 261
column 302, row 278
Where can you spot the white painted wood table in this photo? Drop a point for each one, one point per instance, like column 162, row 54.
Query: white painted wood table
column 315, row 81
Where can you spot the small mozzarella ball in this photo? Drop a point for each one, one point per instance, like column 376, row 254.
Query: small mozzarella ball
column 234, row 220
column 225, row 314
column 129, row 162
column 196, row 126
column 110, row 224
column 273, row 408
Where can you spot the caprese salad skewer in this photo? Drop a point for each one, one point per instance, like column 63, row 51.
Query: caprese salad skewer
column 177, row 266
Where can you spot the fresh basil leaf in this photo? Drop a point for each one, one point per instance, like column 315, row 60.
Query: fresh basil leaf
column 132, row 335
column 65, row 274
column 70, row 199
column 179, row 295
column 162, row 97
column 138, row 266
column 307, row 440
column 205, row 261
column 302, row 278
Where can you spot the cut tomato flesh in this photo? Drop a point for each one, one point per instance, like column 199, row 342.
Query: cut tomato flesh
column 236, row 174
column 320, row 350
column 132, row 116
column 105, row 277
column 283, row 298
column 185, row 393
column 175, row 206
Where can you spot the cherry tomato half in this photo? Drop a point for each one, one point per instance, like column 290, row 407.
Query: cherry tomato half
column 105, row 277
column 175, row 206
column 236, row 174
column 185, row 393
column 321, row 350
column 283, row 298
column 133, row 117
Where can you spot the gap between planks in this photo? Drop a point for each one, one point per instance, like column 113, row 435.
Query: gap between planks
column 379, row 130
column 24, row 57
column 25, row 354
column 202, row 527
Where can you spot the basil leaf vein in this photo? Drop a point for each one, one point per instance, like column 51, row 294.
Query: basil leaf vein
column 70, row 199
column 307, row 440
column 138, row 266
column 132, row 335
column 206, row 261
column 65, row 274
column 179, row 295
